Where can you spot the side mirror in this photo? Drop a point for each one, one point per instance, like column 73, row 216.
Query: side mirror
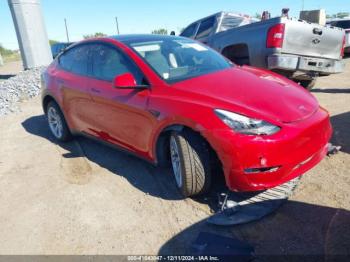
column 125, row 81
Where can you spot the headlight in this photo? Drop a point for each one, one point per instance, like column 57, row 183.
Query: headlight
column 246, row 125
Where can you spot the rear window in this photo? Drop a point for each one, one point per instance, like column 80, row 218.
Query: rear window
column 232, row 21
column 189, row 31
column 206, row 27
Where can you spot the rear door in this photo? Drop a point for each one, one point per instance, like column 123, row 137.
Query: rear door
column 120, row 115
column 71, row 79
column 309, row 39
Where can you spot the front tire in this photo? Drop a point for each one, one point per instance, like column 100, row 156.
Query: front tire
column 57, row 124
column 190, row 160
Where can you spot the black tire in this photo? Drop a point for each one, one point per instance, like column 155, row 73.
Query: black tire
column 194, row 159
column 163, row 153
column 308, row 84
column 65, row 134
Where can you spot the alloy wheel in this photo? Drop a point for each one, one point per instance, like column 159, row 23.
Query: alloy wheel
column 55, row 122
column 175, row 161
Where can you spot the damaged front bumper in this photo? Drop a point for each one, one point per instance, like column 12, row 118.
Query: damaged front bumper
column 253, row 163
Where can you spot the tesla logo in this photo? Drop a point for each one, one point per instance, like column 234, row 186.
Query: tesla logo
column 316, row 41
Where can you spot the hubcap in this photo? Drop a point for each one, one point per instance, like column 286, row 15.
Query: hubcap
column 175, row 161
column 55, row 122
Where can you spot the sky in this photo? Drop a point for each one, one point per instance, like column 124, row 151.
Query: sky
column 142, row 16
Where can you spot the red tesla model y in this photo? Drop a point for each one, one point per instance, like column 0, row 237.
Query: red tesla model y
column 168, row 99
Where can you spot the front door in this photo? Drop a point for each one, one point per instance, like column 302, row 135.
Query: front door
column 120, row 115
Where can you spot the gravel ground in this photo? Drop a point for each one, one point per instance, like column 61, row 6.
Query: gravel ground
column 25, row 85
column 85, row 198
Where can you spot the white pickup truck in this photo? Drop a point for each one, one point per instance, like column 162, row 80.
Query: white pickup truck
column 297, row 49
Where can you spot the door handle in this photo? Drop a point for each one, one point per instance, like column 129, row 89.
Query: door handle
column 95, row 90
column 317, row 31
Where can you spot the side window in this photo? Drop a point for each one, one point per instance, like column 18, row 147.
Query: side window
column 108, row 62
column 345, row 24
column 66, row 60
column 334, row 23
column 75, row 60
column 189, row 31
column 206, row 27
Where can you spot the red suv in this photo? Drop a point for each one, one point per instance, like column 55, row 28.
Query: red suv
column 171, row 99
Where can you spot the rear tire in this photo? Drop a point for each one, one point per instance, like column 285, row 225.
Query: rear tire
column 190, row 160
column 57, row 123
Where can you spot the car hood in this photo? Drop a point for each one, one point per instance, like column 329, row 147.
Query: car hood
column 249, row 89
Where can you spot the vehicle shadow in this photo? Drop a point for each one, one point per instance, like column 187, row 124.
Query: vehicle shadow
column 341, row 127
column 332, row 90
column 4, row 77
column 305, row 230
column 158, row 182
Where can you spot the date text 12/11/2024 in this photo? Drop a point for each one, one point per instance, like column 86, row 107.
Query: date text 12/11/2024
column 173, row 258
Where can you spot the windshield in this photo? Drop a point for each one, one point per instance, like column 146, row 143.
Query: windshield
column 178, row 59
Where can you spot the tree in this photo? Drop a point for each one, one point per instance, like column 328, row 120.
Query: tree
column 52, row 42
column 257, row 15
column 97, row 34
column 5, row 52
column 160, row 31
column 342, row 14
column 9, row 55
column 339, row 15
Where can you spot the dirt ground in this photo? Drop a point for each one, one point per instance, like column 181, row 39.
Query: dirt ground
column 86, row 198
column 10, row 69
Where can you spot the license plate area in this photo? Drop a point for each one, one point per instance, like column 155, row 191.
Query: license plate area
column 314, row 64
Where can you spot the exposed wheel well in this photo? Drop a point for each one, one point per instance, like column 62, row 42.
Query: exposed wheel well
column 163, row 153
column 162, row 145
column 46, row 101
column 238, row 53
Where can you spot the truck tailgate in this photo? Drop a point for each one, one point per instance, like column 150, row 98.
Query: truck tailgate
column 308, row 39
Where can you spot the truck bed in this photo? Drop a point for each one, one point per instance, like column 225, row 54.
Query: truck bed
column 300, row 38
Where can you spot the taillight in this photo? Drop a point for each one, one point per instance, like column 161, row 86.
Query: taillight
column 343, row 47
column 275, row 36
